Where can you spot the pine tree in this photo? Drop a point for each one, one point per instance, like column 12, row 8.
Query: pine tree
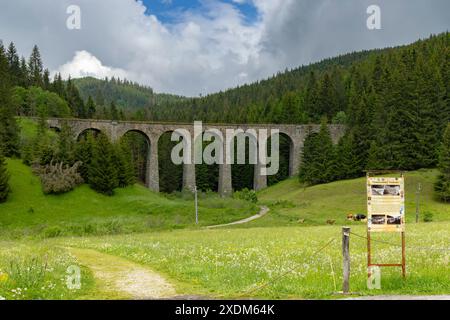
column 35, row 68
column 83, row 152
column 4, row 180
column 90, row 108
column 311, row 97
column 327, row 101
column 102, row 169
column 9, row 130
column 24, row 79
column 76, row 103
column 114, row 112
column 318, row 164
column 58, row 86
column 442, row 186
column 46, row 80
column 66, row 145
column 14, row 64
column 123, row 162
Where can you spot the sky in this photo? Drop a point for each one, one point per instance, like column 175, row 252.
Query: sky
column 193, row 47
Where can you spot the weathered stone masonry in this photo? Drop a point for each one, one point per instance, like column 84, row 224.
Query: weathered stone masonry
column 153, row 131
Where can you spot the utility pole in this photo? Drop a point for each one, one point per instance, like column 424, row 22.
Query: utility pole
column 419, row 189
column 196, row 205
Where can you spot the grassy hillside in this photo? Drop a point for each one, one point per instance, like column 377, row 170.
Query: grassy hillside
column 291, row 202
column 135, row 209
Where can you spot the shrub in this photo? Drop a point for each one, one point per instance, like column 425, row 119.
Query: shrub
column 58, row 178
column 247, row 195
column 428, row 217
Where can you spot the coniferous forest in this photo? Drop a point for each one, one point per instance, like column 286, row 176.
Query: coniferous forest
column 394, row 102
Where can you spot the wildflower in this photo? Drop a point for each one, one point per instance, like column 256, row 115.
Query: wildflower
column 3, row 277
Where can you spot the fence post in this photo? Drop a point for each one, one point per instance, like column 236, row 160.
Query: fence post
column 346, row 259
column 196, row 204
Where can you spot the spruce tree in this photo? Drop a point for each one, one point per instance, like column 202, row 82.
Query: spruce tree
column 35, row 68
column 66, row 145
column 9, row 130
column 318, row 164
column 114, row 112
column 90, row 108
column 327, row 102
column 126, row 175
column 83, row 152
column 4, row 180
column 102, row 169
column 442, row 186
column 14, row 64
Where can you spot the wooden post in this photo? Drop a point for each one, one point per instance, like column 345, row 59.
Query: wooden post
column 369, row 254
column 196, row 205
column 346, row 259
column 403, row 255
column 419, row 189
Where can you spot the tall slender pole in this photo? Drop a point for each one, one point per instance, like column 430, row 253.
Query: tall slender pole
column 419, row 189
column 403, row 255
column 346, row 258
column 196, row 205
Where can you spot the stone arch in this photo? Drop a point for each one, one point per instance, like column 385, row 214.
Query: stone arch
column 84, row 131
column 140, row 147
column 171, row 176
column 286, row 157
column 243, row 147
column 207, row 173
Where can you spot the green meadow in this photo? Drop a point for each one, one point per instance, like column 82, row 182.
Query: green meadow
column 276, row 256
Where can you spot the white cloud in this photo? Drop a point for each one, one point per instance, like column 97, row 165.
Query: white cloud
column 213, row 48
column 85, row 64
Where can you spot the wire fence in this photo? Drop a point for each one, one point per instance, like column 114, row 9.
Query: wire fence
column 399, row 245
column 293, row 269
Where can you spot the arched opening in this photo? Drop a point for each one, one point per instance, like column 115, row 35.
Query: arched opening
column 243, row 167
column 55, row 129
column 170, row 174
column 207, row 175
column 286, row 146
column 85, row 133
column 138, row 145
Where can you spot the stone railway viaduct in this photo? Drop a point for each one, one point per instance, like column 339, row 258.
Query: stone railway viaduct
column 153, row 131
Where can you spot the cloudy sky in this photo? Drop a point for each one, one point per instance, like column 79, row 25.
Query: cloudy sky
column 200, row 46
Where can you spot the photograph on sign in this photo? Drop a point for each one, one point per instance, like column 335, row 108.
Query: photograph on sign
column 385, row 204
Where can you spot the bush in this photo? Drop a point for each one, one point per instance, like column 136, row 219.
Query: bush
column 58, row 178
column 427, row 217
column 247, row 195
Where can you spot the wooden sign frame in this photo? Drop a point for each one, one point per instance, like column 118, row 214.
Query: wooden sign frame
column 386, row 213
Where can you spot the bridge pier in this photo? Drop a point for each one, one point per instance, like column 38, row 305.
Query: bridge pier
column 259, row 180
column 153, row 165
column 225, row 180
column 294, row 158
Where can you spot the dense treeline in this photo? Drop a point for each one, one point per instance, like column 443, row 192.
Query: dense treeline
column 131, row 98
column 395, row 103
column 398, row 107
